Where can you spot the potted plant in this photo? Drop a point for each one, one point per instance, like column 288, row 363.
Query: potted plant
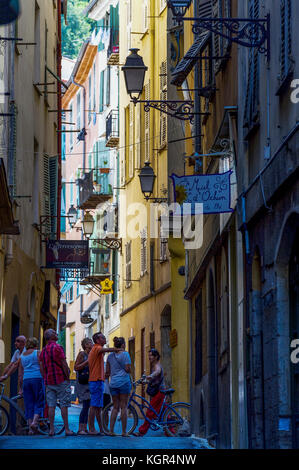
column 104, row 170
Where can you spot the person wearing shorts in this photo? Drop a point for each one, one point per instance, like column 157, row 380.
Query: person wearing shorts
column 56, row 375
column 118, row 368
column 97, row 381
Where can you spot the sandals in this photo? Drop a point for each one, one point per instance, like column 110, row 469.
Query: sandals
column 72, row 433
column 137, row 434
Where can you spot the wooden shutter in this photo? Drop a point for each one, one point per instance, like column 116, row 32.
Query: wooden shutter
column 143, row 251
column 145, row 15
column 46, row 186
column 138, row 136
column 108, row 78
column 251, row 110
column 147, row 126
column 131, row 140
column 128, row 264
column 79, row 110
column 90, row 98
column 163, row 97
column 217, row 40
column 286, row 38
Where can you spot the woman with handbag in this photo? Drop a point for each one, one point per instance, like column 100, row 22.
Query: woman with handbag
column 156, row 383
column 82, row 386
column 118, row 367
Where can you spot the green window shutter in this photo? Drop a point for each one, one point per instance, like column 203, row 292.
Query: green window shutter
column 46, row 195
column 108, row 78
column 102, row 83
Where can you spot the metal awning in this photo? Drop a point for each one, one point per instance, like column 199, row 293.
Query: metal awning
column 187, row 63
column 7, row 224
column 87, row 317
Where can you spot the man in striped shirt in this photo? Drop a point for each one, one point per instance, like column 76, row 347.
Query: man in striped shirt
column 56, row 375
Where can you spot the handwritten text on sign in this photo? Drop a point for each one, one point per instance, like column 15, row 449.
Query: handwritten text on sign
column 213, row 191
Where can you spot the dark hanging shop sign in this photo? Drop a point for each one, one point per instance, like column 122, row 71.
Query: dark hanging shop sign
column 62, row 254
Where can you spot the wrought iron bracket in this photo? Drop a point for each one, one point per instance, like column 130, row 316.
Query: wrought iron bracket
column 248, row 32
column 109, row 243
column 183, row 110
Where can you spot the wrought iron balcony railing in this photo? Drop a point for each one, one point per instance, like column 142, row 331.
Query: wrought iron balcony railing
column 94, row 188
column 112, row 129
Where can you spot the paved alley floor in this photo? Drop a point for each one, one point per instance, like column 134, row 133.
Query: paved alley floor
column 153, row 440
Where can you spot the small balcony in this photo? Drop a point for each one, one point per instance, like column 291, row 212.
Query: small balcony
column 113, row 48
column 112, row 129
column 94, row 188
column 99, row 267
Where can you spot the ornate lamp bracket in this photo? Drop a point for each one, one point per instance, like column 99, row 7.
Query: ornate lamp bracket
column 109, row 243
column 248, row 32
column 183, row 110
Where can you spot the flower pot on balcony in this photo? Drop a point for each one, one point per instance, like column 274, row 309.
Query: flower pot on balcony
column 104, row 170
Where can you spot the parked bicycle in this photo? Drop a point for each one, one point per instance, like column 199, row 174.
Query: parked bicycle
column 23, row 428
column 173, row 418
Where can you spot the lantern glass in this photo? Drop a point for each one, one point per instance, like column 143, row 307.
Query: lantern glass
column 134, row 72
column 72, row 215
column 179, row 7
column 147, row 180
column 88, row 225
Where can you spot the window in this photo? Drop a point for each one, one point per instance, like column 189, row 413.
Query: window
column 251, row 111
column 163, row 97
column 152, row 340
column 37, row 52
column 143, row 251
column 115, row 275
column 286, row 62
column 128, row 264
column 107, row 82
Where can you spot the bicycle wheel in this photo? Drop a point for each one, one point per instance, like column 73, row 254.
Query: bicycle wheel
column 131, row 423
column 178, row 419
column 4, row 420
column 44, row 424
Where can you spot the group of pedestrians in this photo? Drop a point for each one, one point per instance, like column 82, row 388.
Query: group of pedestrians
column 43, row 379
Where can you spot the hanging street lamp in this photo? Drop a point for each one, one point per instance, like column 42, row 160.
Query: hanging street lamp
column 147, row 180
column 9, row 11
column 72, row 215
column 134, row 73
column 179, row 7
column 88, row 225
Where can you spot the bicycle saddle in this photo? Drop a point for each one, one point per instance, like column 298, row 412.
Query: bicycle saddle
column 169, row 391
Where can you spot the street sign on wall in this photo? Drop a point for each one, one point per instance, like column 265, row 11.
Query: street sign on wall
column 212, row 191
column 62, row 254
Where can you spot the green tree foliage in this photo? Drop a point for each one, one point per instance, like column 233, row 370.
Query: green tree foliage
column 79, row 28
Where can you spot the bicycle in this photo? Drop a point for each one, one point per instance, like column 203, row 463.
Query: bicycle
column 43, row 426
column 174, row 418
